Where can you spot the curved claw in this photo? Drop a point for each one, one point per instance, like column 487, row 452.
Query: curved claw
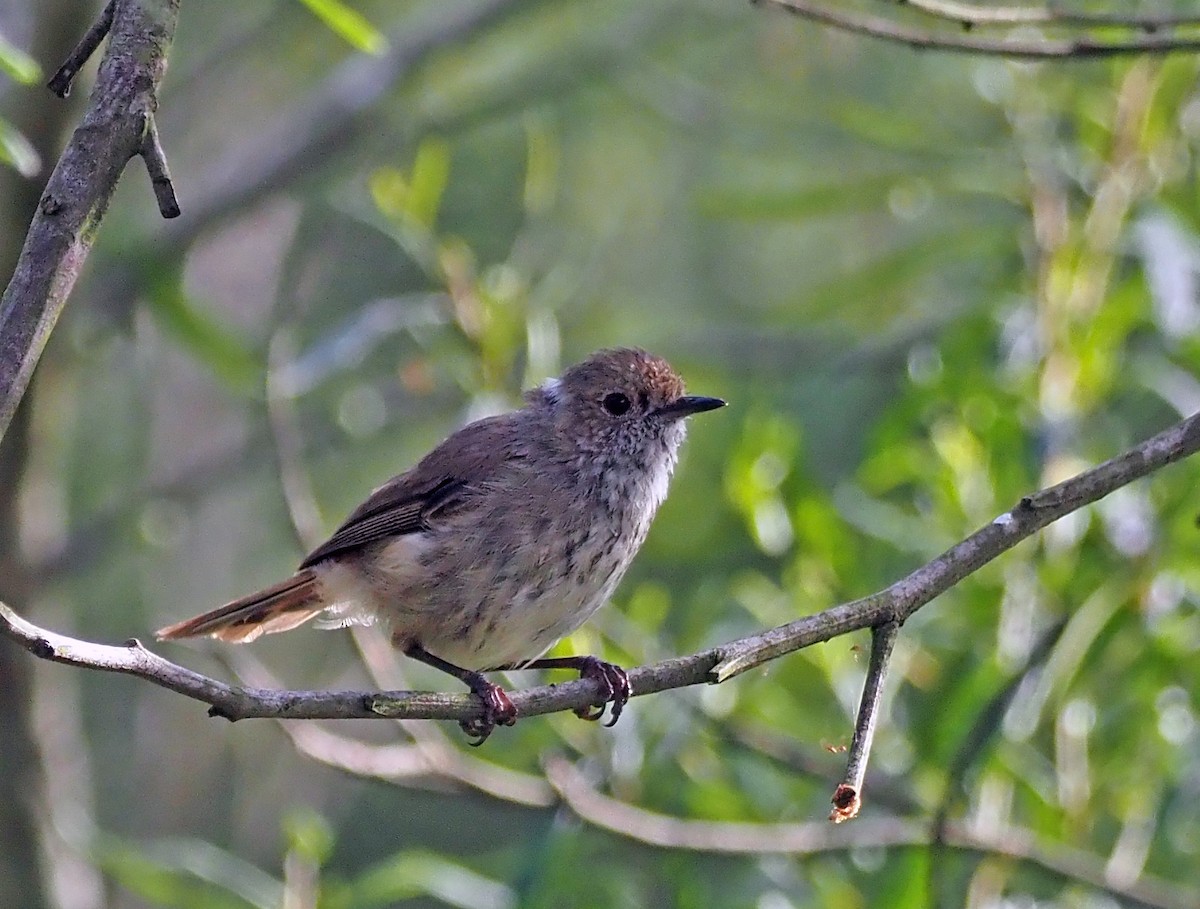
column 498, row 709
column 616, row 689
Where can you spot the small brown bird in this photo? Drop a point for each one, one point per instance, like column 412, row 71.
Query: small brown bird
column 503, row 539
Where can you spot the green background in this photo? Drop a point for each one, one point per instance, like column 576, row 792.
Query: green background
column 927, row 284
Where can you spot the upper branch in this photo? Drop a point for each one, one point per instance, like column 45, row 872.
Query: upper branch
column 76, row 197
column 893, row 604
column 969, row 15
column 60, row 82
column 1153, row 39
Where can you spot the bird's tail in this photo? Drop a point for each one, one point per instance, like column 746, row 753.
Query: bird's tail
column 276, row 608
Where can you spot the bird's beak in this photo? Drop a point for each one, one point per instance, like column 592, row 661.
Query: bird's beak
column 688, row 405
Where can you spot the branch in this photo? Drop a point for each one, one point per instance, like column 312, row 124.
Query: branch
column 847, row 798
column 717, row 664
column 969, row 15
column 909, row 594
column 60, row 82
column 152, row 153
column 1081, row 47
column 234, row 702
column 76, row 197
column 814, row 837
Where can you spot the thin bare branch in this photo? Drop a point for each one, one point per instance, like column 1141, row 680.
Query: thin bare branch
column 816, row 837
column 152, row 153
column 847, row 798
column 235, row 702
column 1079, row 47
column 60, row 82
column 970, row 15
column 909, row 594
column 75, row 199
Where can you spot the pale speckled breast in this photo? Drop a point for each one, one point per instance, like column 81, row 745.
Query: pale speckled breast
column 494, row 585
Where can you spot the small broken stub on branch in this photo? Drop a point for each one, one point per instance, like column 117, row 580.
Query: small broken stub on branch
column 845, row 804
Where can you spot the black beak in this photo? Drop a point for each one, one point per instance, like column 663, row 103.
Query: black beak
column 688, row 405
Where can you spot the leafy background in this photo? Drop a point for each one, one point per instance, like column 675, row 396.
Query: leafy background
column 927, row 284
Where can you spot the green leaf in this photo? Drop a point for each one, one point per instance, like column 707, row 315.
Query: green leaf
column 16, row 151
column 18, row 65
column 430, row 174
column 308, row 834
column 414, row 200
column 349, row 24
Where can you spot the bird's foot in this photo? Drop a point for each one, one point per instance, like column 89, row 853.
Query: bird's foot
column 615, row 689
column 498, row 709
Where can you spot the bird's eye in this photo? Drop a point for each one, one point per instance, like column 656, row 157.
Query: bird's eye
column 615, row 403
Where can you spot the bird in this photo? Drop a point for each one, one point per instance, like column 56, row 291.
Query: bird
column 503, row 539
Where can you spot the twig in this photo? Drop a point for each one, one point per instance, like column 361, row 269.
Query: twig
column 60, row 82
column 717, row 664
column 152, row 153
column 970, row 15
column 847, row 798
column 1077, row 48
column 67, row 219
column 814, row 837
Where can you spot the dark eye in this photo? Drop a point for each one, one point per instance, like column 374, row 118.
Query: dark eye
column 615, row 403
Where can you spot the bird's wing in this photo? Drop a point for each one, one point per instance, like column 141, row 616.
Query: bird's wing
column 445, row 480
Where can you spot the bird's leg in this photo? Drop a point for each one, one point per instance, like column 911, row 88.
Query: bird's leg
column 497, row 707
column 614, row 682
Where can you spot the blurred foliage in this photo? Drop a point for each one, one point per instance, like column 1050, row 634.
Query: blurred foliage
column 16, row 150
column 349, row 24
column 928, row 285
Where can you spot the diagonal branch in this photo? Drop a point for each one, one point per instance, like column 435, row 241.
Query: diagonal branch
column 909, row 594
column 717, row 664
column 76, row 197
column 969, row 15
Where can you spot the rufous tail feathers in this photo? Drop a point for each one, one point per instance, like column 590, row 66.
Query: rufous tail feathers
column 276, row 608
